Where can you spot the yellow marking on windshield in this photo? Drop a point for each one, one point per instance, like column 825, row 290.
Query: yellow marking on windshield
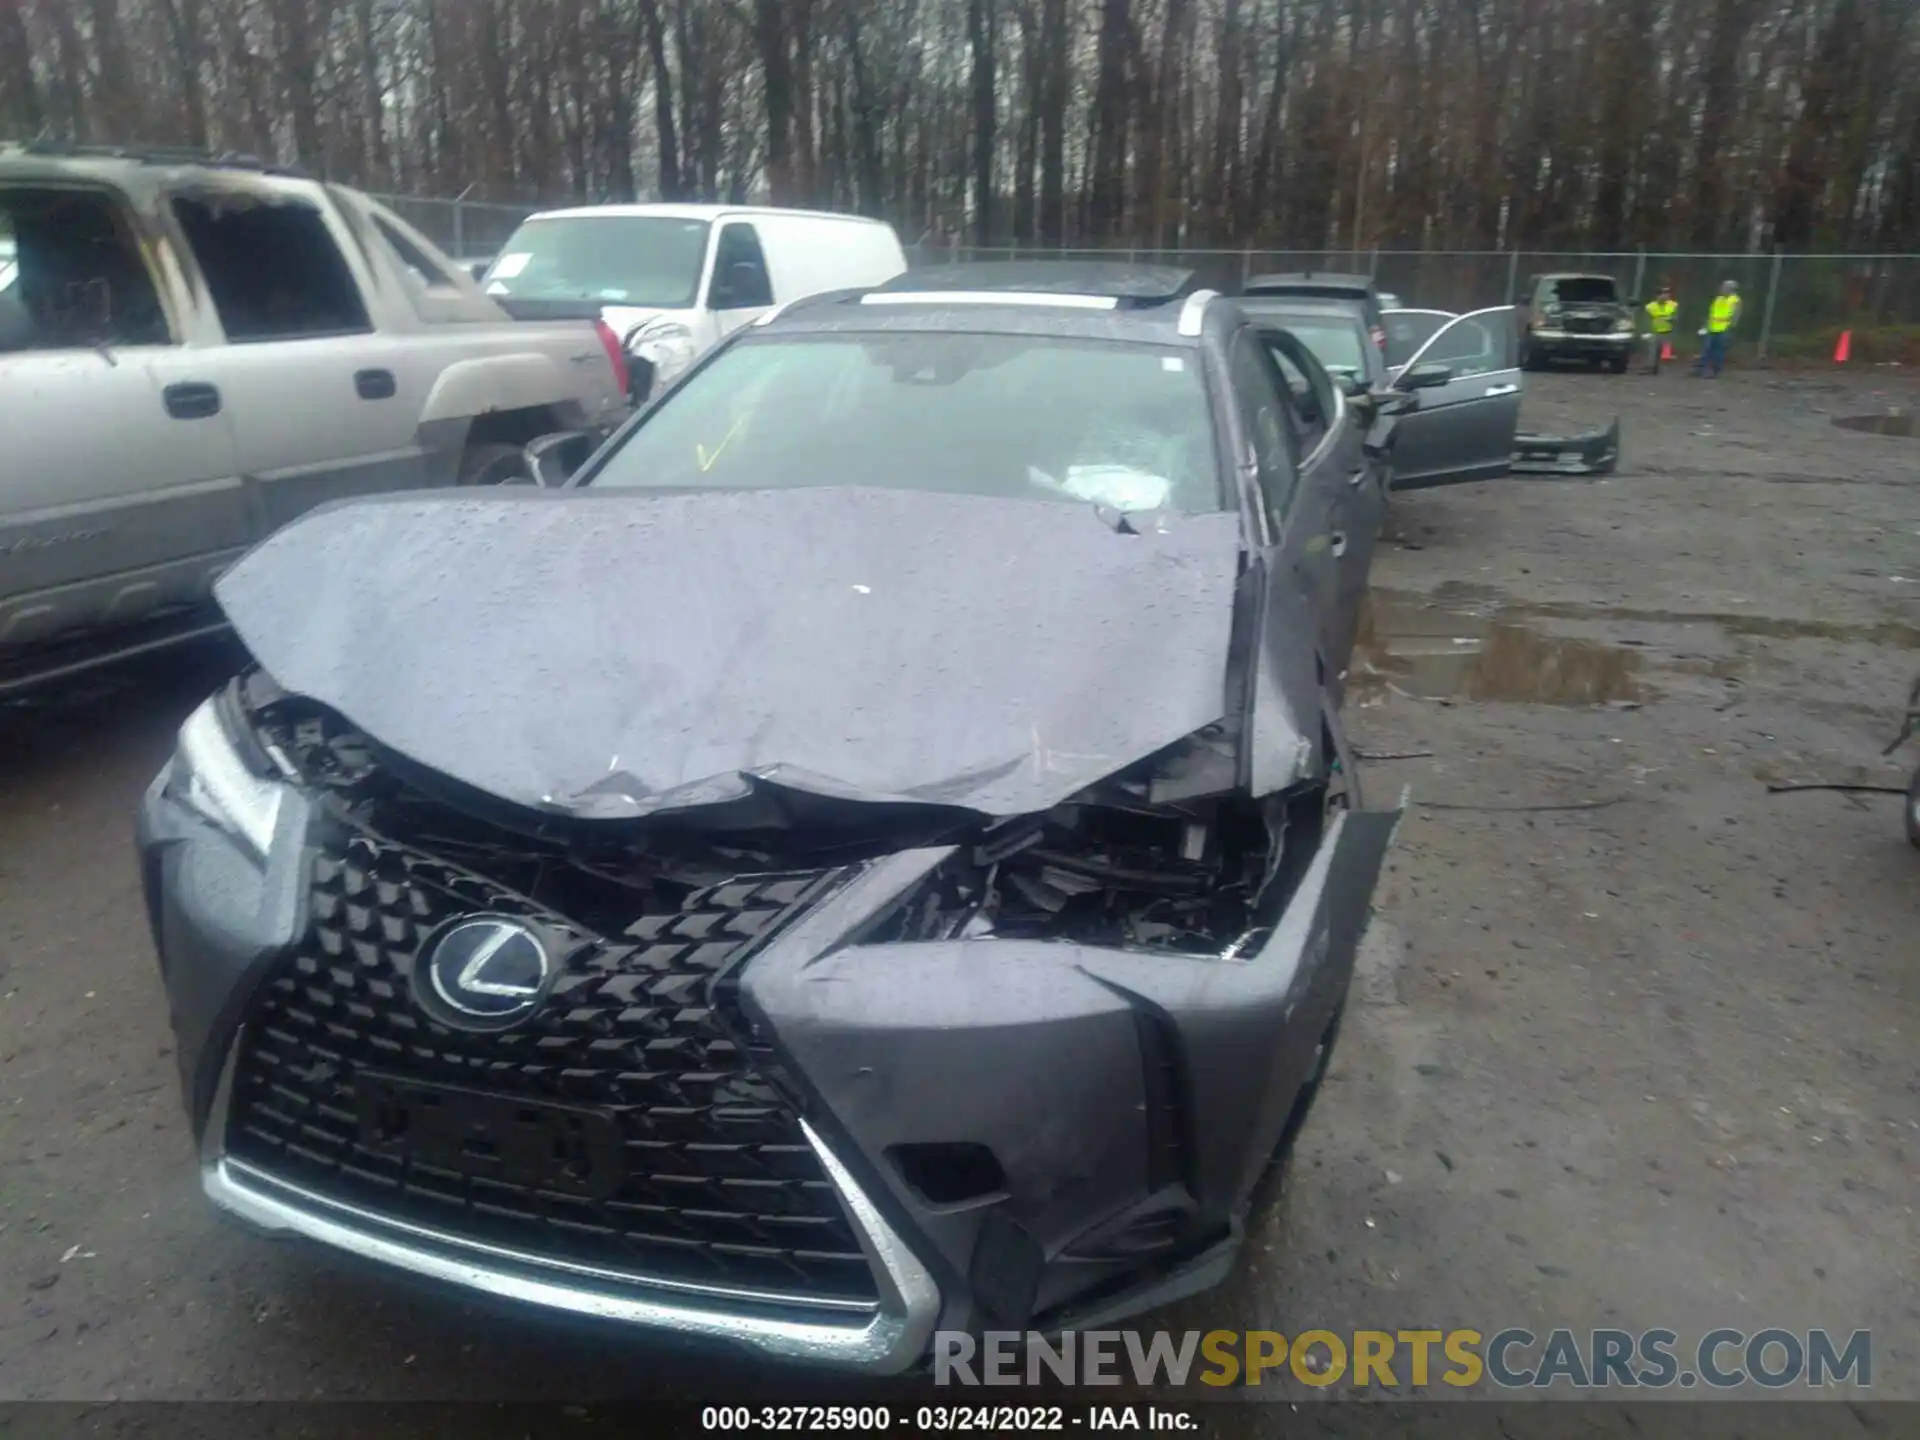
column 705, row 458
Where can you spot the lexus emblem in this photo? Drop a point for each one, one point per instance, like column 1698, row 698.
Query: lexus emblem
column 485, row 970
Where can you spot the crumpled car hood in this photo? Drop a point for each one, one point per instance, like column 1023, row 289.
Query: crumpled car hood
column 618, row 654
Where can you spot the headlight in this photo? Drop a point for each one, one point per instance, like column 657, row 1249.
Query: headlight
column 1623, row 327
column 1550, row 310
column 667, row 346
column 213, row 777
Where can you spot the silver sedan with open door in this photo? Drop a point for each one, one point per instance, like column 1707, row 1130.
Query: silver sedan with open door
column 1460, row 420
column 1466, row 374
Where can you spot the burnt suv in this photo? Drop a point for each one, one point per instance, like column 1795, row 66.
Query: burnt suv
column 876, row 851
column 1576, row 317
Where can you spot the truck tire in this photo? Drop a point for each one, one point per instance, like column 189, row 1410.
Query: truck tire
column 1618, row 364
column 489, row 462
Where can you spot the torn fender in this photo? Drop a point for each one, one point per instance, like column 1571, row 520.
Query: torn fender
column 1046, row 1053
column 1594, row 452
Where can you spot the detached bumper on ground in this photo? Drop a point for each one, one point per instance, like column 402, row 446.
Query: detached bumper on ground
column 1590, row 452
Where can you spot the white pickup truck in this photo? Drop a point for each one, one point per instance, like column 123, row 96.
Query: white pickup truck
column 194, row 352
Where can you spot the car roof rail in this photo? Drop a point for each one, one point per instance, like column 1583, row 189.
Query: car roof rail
column 1061, row 301
column 1193, row 314
column 157, row 155
column 810, row 304
column 1328, row 280
column 1098, row 284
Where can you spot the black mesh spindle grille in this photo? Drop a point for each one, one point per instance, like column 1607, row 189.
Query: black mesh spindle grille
column 621, row 1126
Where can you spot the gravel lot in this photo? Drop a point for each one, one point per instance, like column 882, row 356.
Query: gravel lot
column 1651, row 1062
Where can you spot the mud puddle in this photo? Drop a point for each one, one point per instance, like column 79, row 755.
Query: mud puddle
column 1898, row 422
column 1438, row 652
column 1457, row 598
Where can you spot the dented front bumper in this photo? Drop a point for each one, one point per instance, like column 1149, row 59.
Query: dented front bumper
column 1125, row 1102
column 1130, row 1100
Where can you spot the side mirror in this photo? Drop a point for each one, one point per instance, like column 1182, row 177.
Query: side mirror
column 479, row 269
column 1427, row 376
column 553, row 460
column 1353, row 384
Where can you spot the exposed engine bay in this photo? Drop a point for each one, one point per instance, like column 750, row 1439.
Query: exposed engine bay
column 1166, row 855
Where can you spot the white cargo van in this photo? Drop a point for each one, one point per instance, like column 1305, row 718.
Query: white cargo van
column 671, row 280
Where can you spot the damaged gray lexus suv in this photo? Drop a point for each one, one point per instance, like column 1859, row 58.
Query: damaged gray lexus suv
column 871, row 852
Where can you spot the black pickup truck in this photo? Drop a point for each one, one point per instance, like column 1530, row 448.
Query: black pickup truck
column 1576, row 317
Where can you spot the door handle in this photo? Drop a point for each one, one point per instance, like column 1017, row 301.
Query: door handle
column 374, row 384
column 1493, row 390
column 191, row 400
column 1339, row 544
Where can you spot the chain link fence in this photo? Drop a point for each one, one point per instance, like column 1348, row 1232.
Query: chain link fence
column 465, row 229
column 1795, row 304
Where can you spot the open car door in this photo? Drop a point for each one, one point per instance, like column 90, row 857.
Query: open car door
column 1466, row 378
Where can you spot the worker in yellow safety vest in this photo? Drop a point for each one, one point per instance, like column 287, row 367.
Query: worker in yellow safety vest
column 1722, row 316
column 1660, row 311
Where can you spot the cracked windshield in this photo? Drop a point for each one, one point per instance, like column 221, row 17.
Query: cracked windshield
column 1124, row 426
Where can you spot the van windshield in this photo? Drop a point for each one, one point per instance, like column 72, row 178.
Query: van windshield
column 650, row 260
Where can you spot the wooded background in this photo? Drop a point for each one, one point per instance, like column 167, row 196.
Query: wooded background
column 1302, row 124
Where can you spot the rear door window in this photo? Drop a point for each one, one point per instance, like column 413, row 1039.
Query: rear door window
column 273, row 268
column 421, row 268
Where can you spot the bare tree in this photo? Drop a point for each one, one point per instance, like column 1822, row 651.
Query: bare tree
column 1314, row 124
column 980, row 26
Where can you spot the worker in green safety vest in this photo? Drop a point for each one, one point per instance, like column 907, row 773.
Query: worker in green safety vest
column 1722, row 316
column 1660, row 312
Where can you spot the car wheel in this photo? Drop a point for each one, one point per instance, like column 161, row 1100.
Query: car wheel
column 494, row 463
column 1913, row 810
column 1618, row 364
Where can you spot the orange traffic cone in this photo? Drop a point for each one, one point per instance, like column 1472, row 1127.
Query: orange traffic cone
column 1844, row 348
column 1666, row 350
